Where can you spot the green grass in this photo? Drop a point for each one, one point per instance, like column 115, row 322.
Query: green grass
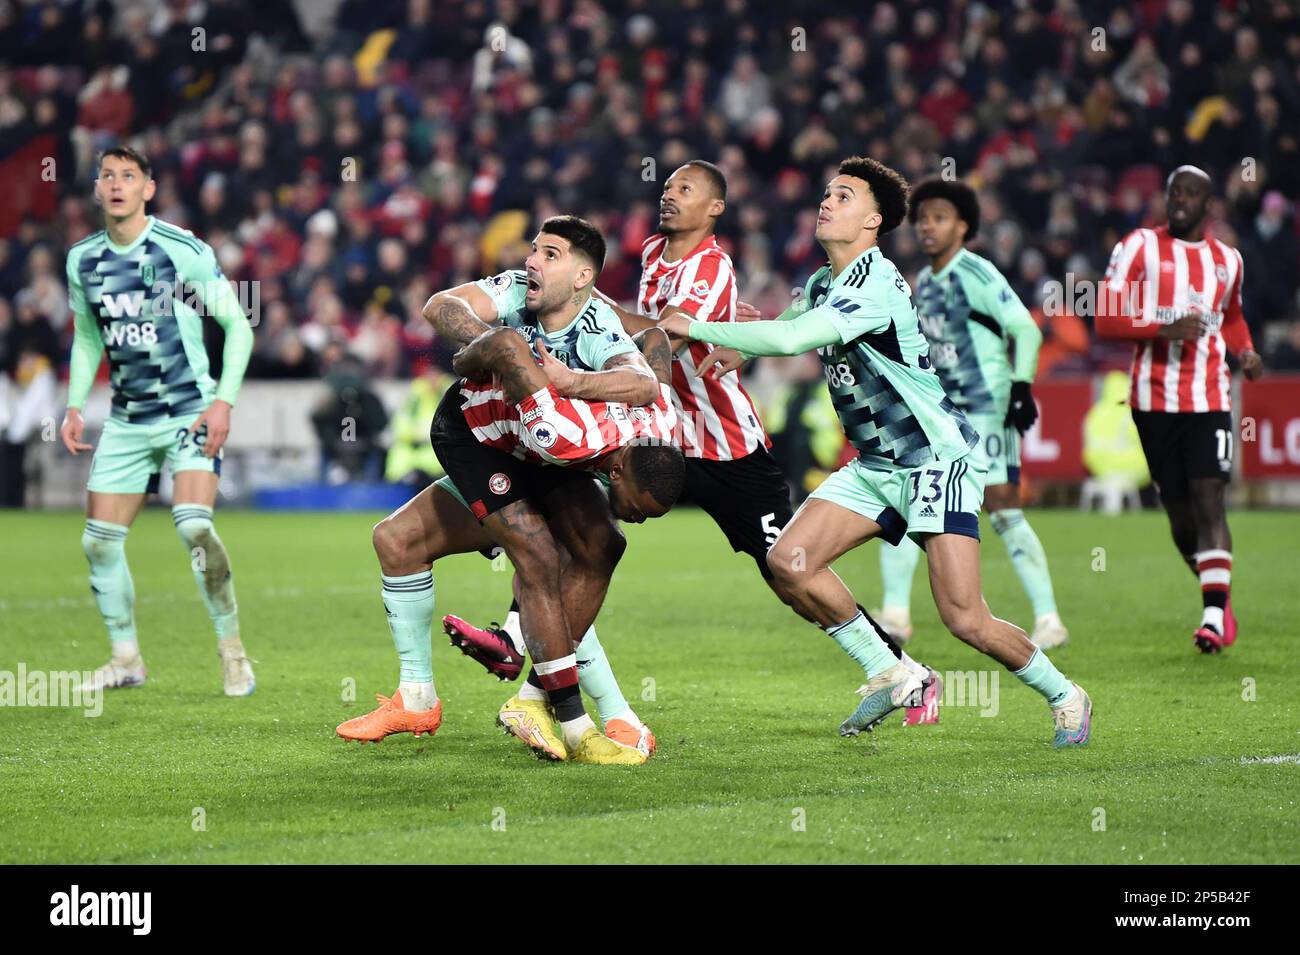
column 747, row 701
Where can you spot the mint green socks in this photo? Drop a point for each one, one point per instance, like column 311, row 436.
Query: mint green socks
column 210, row 565
column 597, row 678
column 1027, row 556
column 409, row 602
column 859, row 640
column 897, row 567
column 110, row 581
column 1043, row 676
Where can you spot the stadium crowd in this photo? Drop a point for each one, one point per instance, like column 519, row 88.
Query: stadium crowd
column 355, row 164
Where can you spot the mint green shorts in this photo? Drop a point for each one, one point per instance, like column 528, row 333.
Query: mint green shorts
column 130, row 457
column 942, row 497
column 998, row 449
column 446, row 484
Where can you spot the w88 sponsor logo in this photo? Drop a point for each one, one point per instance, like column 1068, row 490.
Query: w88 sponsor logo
column 839, row 374
column 131, row 334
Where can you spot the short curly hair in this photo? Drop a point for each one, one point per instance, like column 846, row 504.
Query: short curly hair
column 955, row 191
column 660, row 469
column 887, row 186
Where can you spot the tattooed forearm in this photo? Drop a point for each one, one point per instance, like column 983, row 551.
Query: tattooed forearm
column 453, row 319
column 504, row 353
column 653, row 343
column 519, row 375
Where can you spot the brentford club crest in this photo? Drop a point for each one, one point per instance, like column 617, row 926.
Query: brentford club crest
column 498, row 483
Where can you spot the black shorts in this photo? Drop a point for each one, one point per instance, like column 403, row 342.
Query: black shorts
column 747, row 498
column 1182, row 446
column 488, row 479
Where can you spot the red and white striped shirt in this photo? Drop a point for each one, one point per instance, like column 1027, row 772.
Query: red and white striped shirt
column 548, row 428
column 1154, row 279
column 719, row 422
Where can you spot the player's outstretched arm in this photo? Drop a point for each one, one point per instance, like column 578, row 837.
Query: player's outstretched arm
column 461, row 314
column 633, row 323
column 812, row 329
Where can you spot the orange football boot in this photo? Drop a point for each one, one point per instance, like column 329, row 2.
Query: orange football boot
column 638, row 737
column 391, row 717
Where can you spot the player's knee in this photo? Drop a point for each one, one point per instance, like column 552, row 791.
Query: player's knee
column 194, row 525
column 1208, row 502
column 606, row 550
column 390, row 541
column 99, row 550
column 1000, row 498
column 789, row 566
column 1003, row 519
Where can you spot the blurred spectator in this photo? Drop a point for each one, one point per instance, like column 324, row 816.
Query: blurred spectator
column 1270, row 249
column 1285, row 356
column 28, row 405
column 349, row 422
column 411, row 459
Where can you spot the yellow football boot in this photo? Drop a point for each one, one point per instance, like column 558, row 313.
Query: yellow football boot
column 603, row 751
column 532, row 722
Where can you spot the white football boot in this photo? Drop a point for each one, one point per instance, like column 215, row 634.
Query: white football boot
column 119, row 673
column 236, row 670
column 1049, row 632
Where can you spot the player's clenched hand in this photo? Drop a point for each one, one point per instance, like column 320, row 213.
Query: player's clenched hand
column 1022, row 412
column 1252, row 366
column 747, row 313
column 217, row 419
column 722, row 360
column 559, row 374
column 71, row 431
column 1190, row 326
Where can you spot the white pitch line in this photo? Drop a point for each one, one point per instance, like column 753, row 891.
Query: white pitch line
column 1293, row 758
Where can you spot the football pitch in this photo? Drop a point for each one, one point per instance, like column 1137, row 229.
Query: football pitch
column 1192, row 758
